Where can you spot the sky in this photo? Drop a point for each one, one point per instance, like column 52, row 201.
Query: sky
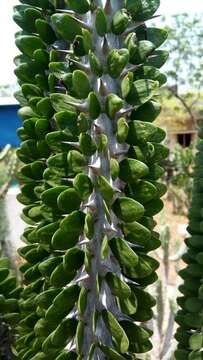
column 8, row 28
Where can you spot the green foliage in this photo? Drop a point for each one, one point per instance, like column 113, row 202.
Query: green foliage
column 189, row 317
column 89, row 88
column 186, row 59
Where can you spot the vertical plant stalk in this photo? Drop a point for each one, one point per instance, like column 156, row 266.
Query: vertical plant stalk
column 89, row 82
column 189, row 318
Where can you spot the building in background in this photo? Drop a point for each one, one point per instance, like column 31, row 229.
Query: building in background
column 9, row 122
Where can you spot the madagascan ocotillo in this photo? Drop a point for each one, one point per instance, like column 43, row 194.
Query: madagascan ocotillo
column 89, row 76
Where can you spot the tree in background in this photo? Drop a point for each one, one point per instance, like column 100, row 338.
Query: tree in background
column 185, row 66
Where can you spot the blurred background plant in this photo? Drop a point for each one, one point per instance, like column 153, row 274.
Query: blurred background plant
column 8, row 168
column 180, row 178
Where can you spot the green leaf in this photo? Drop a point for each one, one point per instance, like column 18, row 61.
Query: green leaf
column 137, row 233
column 67, row 355
column 116, row 61
column 79, row 336
column 82, row 301
column 155, row 35
column 114, row 168
column 67, row 26
column 118, row 287
column 105, row 188
column 142, row 91
column 101, row 22
column 147, row 112
column 25, row 16
column 143, row 191
column 119, row 336
column 113, row 105
column 111, row 353
column 76, row 161
column 47, row 267
column 60, row 277
column 159, row 58
column 95, row 64
column 128, row 305
column 127, row 209
column 196, row 341
column 87, row 145
column 73, row 259
column 63, row 239
column 62, row 102
column 140, row 131
column 79, row 6
column 150, row 73
column 83, row 185
column 126, row 84
column 120, row 22
column 132, row 170
column 142, row 10
column 122, row 130
column 29, row 43
column 81, row 84
column 195, row 355
column 74, row 222
column 45, row 299
column 67, row 121
column 138, row 337
column 68, row 201
column 62, row 304
column 93, row 106
column 49, row 197
column 64, row 332
column 89, row 226
column 44, row 107
column 45, row 31
column 126, row 257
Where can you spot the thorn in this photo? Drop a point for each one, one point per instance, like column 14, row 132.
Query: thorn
column 82, row 106
column 118, row 153
column 117, row 190
column 92, row 206
column 96, row 167
column 109, row 229
column 124, row 112
column 61, row 88
column 96, row 170
column 72, row 143
column 131, row 68
column 84, row 241
column 81, row 66
column 138, row 24
column 103, row 90
column 69, row 52
column 108, row 8
column 71, row 12
column 84, row 25
column 105, row 46
column 98, row 129
column 67, row 179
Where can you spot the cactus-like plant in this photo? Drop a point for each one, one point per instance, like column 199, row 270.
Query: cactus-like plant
column 189, row 333
column 89, row 76
column 9, row 309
